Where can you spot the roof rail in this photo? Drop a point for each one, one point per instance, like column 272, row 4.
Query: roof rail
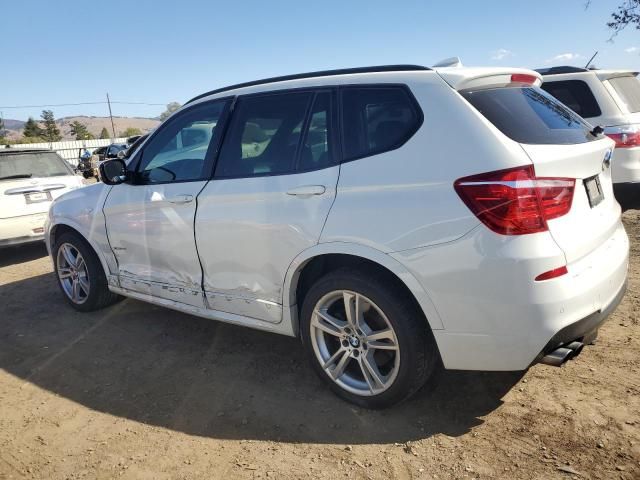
column 322, row 73
column 559, row 70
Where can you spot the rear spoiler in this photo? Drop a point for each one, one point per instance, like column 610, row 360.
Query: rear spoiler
column 463, row 78
column 604, row 75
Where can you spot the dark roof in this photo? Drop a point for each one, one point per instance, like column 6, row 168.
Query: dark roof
column 322, row 73
column 559, row 70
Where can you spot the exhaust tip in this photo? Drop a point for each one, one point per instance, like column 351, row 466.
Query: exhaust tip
column 557, row 357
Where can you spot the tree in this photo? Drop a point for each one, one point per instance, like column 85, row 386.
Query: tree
column 51, row 132
column 104, row 133
column 130, row 132
column 3, row 133
column 627, row 14
column 79, row 130
column 171, row 107
column 31, row 129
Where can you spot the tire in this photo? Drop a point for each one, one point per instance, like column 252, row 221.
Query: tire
column 391, row 319
column 92, row 290
column 87, row 175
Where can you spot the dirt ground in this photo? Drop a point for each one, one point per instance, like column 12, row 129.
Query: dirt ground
column 141, row 392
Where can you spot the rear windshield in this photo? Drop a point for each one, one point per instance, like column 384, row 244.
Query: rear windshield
column 530, row 115
column 37, row 164
column 576, row 95
column 628, row 89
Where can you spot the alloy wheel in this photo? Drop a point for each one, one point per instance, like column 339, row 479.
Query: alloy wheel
column 355, row 343
column 72, row 273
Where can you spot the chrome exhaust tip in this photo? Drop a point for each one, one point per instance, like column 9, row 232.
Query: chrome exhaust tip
column 557, row 357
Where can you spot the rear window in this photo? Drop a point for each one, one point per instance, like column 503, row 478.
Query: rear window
column 377, row 119
column 628, row 89
column 40, row 164
column 530, row 115
column 576, row 95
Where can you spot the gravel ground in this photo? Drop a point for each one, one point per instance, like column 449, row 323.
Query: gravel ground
column 140, row 392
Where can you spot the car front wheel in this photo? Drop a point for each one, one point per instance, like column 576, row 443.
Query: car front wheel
column 80, row 274
column 366, row 338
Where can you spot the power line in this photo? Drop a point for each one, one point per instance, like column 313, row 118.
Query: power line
column 83, row 103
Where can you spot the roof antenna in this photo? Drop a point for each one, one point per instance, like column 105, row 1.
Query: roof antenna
column 590, row 60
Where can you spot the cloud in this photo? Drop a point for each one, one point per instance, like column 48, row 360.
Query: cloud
column 501, row 54
column 632, row 49
column 565, row 57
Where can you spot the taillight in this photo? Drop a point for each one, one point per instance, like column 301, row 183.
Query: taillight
column 625, row 140
column 523, row 78
column 515, row 201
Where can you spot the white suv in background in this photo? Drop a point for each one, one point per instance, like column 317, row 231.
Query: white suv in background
column 609, row 99
column 391, row 217
column 29, row 181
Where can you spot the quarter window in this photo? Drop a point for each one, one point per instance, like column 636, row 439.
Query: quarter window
column 181, row 150
column 264, row 135
column 377, row 119
column 576, row 95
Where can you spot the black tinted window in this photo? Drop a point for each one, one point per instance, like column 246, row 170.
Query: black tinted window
column 377, row 119
column 529, row 115
column 317, row 149
column 576, row 95
column 264, row 135
column 628, row 89
column 180, row 149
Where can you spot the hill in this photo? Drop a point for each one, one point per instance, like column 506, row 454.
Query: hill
column 94, row 125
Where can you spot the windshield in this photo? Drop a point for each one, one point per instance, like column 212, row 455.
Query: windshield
column 35, row 164
column 628, row 89
column 530, row 115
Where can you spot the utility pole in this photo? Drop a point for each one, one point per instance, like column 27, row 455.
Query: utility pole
column 113, row 128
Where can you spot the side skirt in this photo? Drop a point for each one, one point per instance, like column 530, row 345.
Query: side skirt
column 282, row 328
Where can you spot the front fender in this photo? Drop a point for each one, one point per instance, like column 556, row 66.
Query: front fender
column 368, row 253
column 81, row 210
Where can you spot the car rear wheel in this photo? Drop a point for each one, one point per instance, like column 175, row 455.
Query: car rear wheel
column 366, row 339
column 81, row 277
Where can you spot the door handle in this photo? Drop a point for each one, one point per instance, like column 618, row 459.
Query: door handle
column 180, row 199
column 307, row 190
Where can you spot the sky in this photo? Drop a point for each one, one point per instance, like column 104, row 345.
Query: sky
column 156, row 52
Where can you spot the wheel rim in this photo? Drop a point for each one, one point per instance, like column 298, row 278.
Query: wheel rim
column 355, row 343
column 72, row 273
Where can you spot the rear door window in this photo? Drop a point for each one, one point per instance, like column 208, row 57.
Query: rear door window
column 377, row 119
column 576, row 95
column 264, row 135
column 628, row 89
column 530, row 115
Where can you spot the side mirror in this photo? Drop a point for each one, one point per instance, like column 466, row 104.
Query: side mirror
column 113, row 172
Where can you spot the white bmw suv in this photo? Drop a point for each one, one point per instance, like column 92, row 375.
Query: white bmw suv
column 394, row 218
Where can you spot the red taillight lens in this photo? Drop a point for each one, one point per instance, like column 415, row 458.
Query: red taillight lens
column 556, row 272
column 515, row 201
column 625, row 140
column 523, row 78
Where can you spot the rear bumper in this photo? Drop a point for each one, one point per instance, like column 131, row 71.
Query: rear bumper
column 586, row 329
column 495, row 316
column 23, row 229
